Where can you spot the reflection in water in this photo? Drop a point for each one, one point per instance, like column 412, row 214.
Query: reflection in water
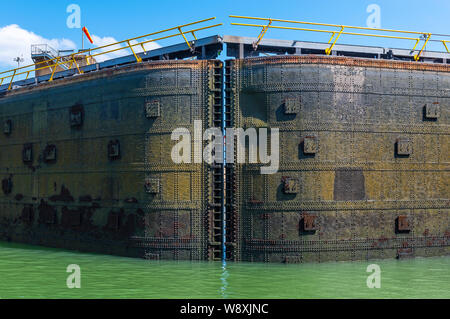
column 224, row 280
column 37, row 272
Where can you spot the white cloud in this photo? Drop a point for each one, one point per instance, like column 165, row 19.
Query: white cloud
column 102, row 41
column 16, row 42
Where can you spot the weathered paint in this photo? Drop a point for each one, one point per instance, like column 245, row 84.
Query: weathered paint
column 87, row 191
column 85, row 161
column 381, row 163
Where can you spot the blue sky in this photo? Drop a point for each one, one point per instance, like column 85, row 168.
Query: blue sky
column 128, row 18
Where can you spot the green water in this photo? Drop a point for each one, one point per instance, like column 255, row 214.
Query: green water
column 37, row 272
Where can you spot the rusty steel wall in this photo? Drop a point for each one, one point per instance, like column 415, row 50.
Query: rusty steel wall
column 364, row 159
column 85, row 162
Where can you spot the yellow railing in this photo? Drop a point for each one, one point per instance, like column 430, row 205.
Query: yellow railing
column 425, row 37
column 52, row 64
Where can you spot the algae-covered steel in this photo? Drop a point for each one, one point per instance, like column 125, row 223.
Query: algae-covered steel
column 86, row 165
column 364, row 159
column 86, row 162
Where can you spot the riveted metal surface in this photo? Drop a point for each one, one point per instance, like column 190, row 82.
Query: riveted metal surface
column 355, row 184
column 112, row 186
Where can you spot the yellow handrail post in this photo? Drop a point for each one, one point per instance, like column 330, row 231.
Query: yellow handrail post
column 87, row 57
column 445, row 45
column 12, row 78
column 143, row 48
column 417, row 56
column 328, row 50
column 332, row 36
column 54, row 69
column 187, row 42
column 76, row 64
column 261, row 35
column 415, row 45
column 193, row 34
column 138, row 58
